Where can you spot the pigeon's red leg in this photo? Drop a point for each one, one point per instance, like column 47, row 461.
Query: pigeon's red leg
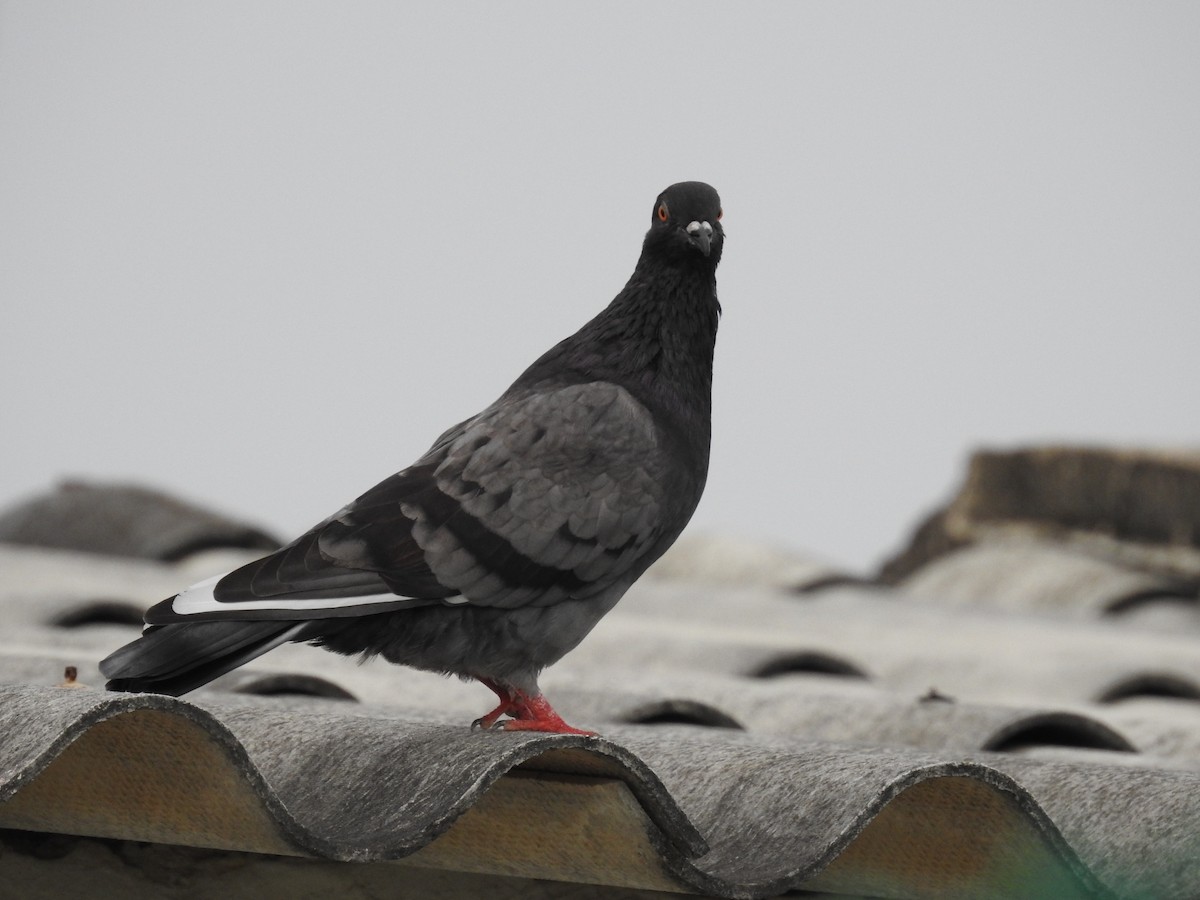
column 536, row 714
column 507, row 705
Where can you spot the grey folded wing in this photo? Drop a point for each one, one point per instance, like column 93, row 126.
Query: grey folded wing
column 541, row 496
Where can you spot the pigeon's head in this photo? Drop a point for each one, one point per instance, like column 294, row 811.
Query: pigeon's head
column 685, row 225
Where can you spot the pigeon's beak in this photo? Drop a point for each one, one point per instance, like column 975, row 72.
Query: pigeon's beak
column 700, row 236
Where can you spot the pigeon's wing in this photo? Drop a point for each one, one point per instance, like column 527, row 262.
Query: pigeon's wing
column 540, row 497
column 563, row 499
column 548, row 495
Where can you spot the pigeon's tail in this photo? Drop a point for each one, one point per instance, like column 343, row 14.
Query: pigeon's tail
column 175, row 659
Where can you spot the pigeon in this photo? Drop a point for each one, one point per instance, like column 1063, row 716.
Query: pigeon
column 497, row 551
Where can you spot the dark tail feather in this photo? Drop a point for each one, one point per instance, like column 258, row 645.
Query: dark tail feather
column 175, row 659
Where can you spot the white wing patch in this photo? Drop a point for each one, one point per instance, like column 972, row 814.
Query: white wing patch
column 199, row 598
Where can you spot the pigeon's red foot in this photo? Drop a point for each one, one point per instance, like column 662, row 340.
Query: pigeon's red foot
column 536, row 714
column 528, row 714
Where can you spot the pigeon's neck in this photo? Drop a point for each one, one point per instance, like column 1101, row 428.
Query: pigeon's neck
column 655, row 339
column 663, row 326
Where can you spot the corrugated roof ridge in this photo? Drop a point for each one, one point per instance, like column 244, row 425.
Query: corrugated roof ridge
column 280, row 774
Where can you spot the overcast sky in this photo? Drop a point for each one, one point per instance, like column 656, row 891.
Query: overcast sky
column 261, row 254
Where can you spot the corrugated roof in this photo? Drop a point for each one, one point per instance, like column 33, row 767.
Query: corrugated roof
column 996, row 724
column 125, row 520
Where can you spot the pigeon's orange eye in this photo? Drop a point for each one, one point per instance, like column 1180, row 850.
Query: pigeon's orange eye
column 662, row 212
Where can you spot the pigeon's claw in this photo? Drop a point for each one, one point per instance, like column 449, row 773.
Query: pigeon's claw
column 507, row 706
column 529, row 713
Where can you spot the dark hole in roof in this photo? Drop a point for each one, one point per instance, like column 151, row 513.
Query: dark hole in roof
column 1057, row 730
column 1180, row 595
column 933, row 695
column 289, row 685
column 1151, row 684
column 100, row 612
column 808, row 662
column 833, row 581
column 681, row 712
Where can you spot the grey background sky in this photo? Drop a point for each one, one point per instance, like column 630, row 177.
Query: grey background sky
column 260, row 254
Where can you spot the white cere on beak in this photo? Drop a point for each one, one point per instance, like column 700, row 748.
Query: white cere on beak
column 693, row 227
